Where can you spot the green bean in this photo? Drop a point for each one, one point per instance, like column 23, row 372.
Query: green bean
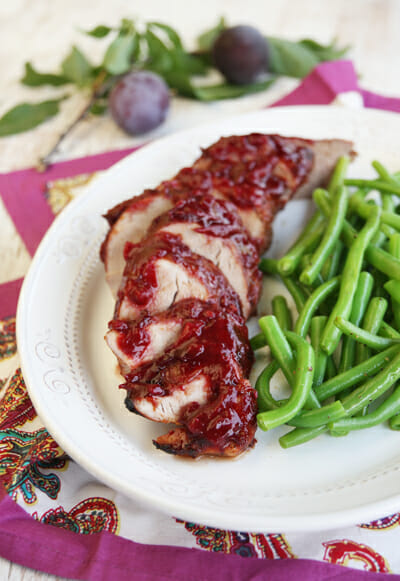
column 377, row 257
column 374, row 387
column 394, row 422
column 384, row 173
column 331, row 370
column 364, row 210
column 282, row 312
column 388, row 206
column 371, row 322
column 314, row 418
column 331, row 235
column 376, row 342
column 387, row 203
column 316, row 328
column 386, row 410
column 308, row 238
column 312, row 304
column 300, row 436
column 387, row 331
column 331, row 266
column 279, row 345
column 297, row 293
column 305, row 263
column 349, row 281
column 268, row 266
column 394, row 250
column 265, row 400
column 378, row 185
column 338, row 175
column 393, row 288
column 283, row 353
column 301, row 386
column 387, row 230
column 358, row 308
column 394, row 245
column 383, row 261
column 355, row 375
column 379, row 238
column 258, row 341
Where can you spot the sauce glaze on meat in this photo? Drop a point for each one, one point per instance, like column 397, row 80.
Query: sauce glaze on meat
column 179, row 324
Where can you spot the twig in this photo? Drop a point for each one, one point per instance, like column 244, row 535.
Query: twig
column 99, row 88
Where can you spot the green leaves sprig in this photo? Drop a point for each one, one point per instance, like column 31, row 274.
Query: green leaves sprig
column 159, row 48
column 297, row 59
column 27, row 116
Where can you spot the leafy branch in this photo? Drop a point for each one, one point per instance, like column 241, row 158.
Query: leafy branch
column 158, row 48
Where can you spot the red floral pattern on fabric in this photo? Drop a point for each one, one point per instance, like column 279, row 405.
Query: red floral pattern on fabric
column 350, row 553
column 92, row 515
column 272, row 546
column 16, row 407
column 8, row 344
column 384, row 523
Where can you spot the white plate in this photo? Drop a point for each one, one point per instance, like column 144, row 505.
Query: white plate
column 72, row 379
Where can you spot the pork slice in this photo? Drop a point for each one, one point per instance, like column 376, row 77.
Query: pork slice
column 151, row 402
column 173, row 282
column 223, row 255
column 212, row 228
column 137, row 343
column 224, row 426
column 131, row 225
column 201, row 375
column 326, row 155
column 261, row 173
column 258, row 173
column 130, row 220
column 161, row 271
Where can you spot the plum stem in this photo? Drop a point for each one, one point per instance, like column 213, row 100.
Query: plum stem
column 100, row 86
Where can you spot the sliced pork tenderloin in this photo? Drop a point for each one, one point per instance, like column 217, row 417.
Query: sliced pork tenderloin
column 190, row 280
column 213, row 229
column 161, row 271
column 201, row 375
column 258, row 173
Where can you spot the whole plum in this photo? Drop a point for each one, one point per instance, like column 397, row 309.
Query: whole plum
column 139, row 102
column 241, row 54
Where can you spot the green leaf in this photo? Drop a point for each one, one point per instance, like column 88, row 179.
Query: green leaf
column 172, row 35
column 190, row 64
column 99, row 31
column 228, row 91
column 127, row 27
column 297, row 59
column 158, row 54
column 99, row 107
column 181, row 82
column 291, row 59
column 328, row 52
column 118, row 57
column 33, row 78
column 207, row 39
column 77, row 68
column 163, row 58
column 27, row 116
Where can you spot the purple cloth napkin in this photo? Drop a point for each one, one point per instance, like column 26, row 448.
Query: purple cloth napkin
column 103, row 556
column 327, row 81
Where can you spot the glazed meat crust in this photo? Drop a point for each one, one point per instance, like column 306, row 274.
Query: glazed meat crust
column 181, row 260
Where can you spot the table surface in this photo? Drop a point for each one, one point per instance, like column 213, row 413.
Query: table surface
column 44, row 31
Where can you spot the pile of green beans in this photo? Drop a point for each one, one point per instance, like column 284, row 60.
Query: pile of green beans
column 340, row 355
